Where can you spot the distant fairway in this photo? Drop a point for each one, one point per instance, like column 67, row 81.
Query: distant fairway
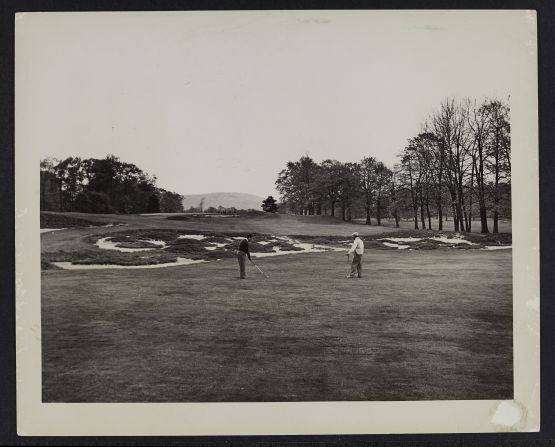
column 420, row 325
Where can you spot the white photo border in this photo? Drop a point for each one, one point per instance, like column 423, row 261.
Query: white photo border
column 35, row 418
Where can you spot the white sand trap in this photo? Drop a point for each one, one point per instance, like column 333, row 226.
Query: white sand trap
column 106, row 244
column 217, row 245
column 498, row 247
column 264, row 242
column 155, row 242
column 312, row 248
column 70, row 266
column 196, row 237
column 50, row 230
column 455, row 240
column 306, row 248
column 237, row 238
column 398, row 246
column 401, row 239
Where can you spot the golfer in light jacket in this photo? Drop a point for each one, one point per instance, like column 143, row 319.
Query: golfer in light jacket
column 357, row 249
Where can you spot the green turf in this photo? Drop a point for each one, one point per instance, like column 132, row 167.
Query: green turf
column 419, row 325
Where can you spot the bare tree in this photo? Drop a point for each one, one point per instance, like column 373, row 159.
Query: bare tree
column 480, row 125
column 367, row 175
column 383, row 176
column 499, row 149
column 450, row 126
column 411, row 176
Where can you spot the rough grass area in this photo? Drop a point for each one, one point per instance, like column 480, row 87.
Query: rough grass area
column 284, row 246
column 207, row 249
column 136, row 244
column 95, row 255
column 60, row 220
column 375, row 241
column 419, row 325
column 46, row 265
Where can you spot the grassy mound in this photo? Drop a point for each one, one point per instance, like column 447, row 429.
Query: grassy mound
column 490, row 239
column 57, row 220
column 376, row 245
column 205, row 249
column 284, row 246
column 98, row 256
column 186, row 247
column 45, row 265
column 255, row 247
column 136, row 244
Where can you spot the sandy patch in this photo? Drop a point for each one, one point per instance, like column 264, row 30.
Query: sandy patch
column 398, row 246
column 106, row 244
column 196, row 237
column 455, row 240
column 401, row 239
column 50, row 230
column 70, row 266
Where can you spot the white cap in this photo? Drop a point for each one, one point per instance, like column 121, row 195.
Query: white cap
column 355, row 234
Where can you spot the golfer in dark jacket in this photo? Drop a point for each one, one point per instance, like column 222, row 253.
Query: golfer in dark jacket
column 242, row 254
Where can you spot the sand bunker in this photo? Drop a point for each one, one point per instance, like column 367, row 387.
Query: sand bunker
column 106, row 244
column 71, row 266
column 305, row 248
column 401, row 239
column 196, row 237
column 50, row 230
column 445, row 240
column 454, row 240
column 398, row 246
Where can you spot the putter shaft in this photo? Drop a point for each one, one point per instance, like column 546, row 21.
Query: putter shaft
column 266, row 276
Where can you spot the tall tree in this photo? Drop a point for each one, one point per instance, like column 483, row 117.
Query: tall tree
column 329, row 183
column 367, row 177
column 71, row 175
column 349, row 194
column 297, row 184
column 450, row 127
column 411, row 176
column 383, row 178
column 395, row 202
column 480, row 125
column 499, row 153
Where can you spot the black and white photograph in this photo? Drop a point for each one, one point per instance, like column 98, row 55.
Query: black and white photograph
column 279, row 206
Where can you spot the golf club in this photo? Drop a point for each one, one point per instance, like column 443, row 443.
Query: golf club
column 265, row 276
column 348, row 265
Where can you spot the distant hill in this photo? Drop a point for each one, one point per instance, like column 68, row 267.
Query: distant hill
column 238, row 200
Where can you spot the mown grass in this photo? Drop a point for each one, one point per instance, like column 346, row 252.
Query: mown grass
column 419, row 325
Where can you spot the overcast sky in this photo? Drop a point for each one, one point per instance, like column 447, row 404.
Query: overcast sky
column 221, row 101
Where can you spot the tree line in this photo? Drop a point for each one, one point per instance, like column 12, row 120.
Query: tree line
column 457, row 167
column 106, row 185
